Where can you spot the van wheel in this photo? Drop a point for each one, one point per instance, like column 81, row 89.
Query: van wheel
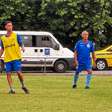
column 60, row 66
column 101, row 64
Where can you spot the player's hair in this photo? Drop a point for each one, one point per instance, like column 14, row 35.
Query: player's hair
column 84, row 32
column 7, row 22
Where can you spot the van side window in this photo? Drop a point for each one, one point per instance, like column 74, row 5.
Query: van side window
column 45, row 38
column 34, row 44
column 27, row 40
column 46, row 41
column 38, row 41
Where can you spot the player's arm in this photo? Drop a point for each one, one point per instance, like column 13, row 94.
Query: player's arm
column 75, row 58
column 93, row 55
column 1, row 48
column 75, row 54
column 94, row 59
column 1, row 52
column 20, row 42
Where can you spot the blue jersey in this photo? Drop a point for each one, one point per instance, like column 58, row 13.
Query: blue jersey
column 83, row 51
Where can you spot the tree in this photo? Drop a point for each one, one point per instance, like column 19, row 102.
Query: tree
column 10, row 8
column 66, row 19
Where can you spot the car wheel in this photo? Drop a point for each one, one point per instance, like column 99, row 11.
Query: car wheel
column 101, row 64
column 60, row 66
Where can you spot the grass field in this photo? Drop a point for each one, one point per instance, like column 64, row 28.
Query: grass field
column 54, row 94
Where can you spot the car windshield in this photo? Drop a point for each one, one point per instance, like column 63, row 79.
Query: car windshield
column 102, row 48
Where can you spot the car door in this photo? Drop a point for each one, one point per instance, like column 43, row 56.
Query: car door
column 109, row 56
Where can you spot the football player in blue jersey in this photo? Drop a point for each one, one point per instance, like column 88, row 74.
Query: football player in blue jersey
column 82, row 59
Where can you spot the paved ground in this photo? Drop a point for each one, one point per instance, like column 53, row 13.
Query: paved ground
column 50, row 72
column 70, row 73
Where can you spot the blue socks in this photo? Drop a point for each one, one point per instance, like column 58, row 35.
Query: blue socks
column 76, row 76
column 88, row 79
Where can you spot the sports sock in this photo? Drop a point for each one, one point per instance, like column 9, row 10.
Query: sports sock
column 76, row 76
column 88, row 79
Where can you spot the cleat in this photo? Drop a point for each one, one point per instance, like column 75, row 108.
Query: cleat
column 74, row 86
column 25, row 90
column 87, row 87
column 12, row 91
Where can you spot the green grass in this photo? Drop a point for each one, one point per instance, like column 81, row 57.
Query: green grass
column 54, row 94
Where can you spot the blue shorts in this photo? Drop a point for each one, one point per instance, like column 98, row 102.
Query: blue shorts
column 85, row 66
column 13, row 66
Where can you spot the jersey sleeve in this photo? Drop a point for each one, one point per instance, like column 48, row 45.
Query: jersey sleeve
column 92, row 47
column 1, row 45
column 19, row 39
column 76, row 47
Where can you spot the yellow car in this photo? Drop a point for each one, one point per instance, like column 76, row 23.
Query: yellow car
column 104, row 58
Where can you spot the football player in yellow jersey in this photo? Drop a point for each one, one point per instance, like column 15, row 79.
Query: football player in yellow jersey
column 10, row 45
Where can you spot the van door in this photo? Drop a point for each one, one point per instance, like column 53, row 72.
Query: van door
column 32, row 55
column 48, row 48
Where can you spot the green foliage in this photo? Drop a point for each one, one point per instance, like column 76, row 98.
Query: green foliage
column 65, row 18
column 73, row 16
column 9, row 8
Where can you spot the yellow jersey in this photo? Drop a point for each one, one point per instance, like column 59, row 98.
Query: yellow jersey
column 11, row 47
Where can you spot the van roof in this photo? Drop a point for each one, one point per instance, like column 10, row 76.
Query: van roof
column 29, row 32
column 32, row 33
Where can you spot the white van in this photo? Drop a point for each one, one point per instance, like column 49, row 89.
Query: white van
column 43, row 50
